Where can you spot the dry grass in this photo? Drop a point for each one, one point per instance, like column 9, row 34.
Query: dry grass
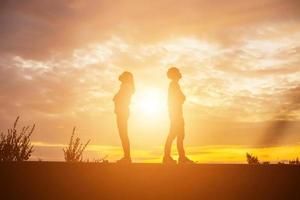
column 15, row 145
column 74, row 151
column 251, row 159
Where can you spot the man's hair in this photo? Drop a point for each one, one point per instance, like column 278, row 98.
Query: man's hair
column 173, row 73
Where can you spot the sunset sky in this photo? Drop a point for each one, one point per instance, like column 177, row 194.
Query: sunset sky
column 240, row 60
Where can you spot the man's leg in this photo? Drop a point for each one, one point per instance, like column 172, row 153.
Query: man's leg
column 180, row 147
column 182, row 157
column 168, row 144
column 180, row 138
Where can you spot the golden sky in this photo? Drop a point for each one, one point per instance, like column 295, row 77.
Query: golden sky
column 60, row 60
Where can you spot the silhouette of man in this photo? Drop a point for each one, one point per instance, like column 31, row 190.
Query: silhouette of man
column 122, row 101
column 176, row 99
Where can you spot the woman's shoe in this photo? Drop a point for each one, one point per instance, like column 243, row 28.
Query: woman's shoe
column 185, row 160
column 169, row 160
column 124, row 161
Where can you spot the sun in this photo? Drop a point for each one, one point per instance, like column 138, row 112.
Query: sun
column 150, row 102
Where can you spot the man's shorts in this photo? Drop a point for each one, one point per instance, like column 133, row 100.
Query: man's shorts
column 177, row 127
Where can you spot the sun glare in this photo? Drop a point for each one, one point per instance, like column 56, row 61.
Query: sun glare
column 150, row 102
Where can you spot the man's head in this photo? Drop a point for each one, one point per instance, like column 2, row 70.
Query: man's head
column 174, row 74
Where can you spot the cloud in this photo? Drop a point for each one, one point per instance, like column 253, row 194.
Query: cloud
column 59, row 60
column 36, row 29
column 217, row 77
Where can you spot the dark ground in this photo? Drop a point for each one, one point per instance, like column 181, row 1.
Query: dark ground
column 59, row 180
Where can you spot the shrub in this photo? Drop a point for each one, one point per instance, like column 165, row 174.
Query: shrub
column 101, row 160
column 74, row 152
column 16, row 146
column 294, row 162
column 251, row 159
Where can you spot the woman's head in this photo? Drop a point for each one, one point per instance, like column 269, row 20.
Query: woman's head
column 127, row 77
column 174, row 74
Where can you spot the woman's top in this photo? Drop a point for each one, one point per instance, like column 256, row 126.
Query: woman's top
column 123, row 98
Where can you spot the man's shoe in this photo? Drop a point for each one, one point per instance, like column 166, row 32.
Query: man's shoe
column 169, row 160
column 124, row 161
column 185, row 160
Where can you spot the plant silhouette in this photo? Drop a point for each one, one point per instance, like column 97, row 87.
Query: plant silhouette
column 294, row 162
column 16, row 146
column 251, row 159
column 74, row 151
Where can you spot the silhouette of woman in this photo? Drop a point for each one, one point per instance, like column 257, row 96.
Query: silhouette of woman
column 176, row 99
column 122, row 101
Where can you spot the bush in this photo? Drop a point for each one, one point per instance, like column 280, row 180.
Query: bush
column 16, row 146
column 73, row 153
column 251, row 159
column 101, row 160
column 294, row 162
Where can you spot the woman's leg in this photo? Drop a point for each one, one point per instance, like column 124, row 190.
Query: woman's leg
column 123, row 132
